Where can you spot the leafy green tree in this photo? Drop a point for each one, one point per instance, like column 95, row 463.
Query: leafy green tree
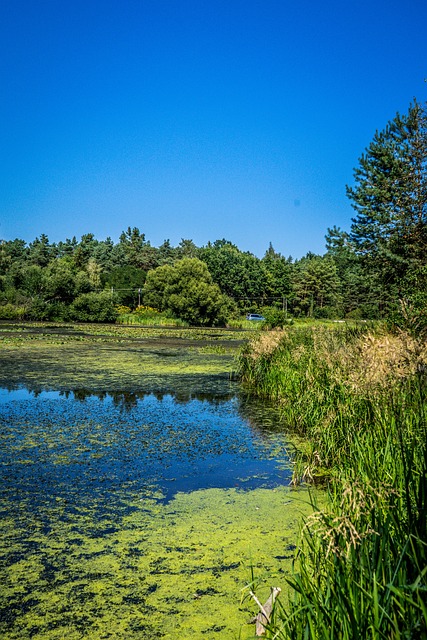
column 166, row 254
column 390, row 198
column 187, row 291
column 67, row 248
column 138, row 252
column 85, row 250
column 361, row 297
column 11, row 252
column 240, row 275
column 82, row 283
column 94, row 270
column 187, row 249
column 278, row 271
column 94, row 307
column 41, row 252
column 25, row 278
column 126, row 281
column 59, row 281
column 155, row 287
column 317, row 287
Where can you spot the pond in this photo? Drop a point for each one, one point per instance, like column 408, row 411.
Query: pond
column 140, row 512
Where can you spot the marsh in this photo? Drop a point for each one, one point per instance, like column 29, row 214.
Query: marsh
column 140, row 487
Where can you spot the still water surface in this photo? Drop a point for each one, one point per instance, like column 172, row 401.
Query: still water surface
column 136, row 515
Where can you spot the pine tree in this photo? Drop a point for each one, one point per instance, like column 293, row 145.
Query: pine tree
column 390, row 198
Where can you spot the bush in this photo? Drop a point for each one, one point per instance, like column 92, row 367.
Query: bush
column 275, row 318
column 122, row 309
column 146, row 312
column 354, row 314
column 94, row 307
column 327, row 313
column 11, row 312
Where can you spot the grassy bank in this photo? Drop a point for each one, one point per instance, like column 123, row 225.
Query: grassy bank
column 358, row 398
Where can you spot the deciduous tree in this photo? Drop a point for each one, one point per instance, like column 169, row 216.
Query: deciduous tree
column 186, row 290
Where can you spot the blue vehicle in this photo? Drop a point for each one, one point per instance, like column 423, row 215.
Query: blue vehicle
column 254, row 316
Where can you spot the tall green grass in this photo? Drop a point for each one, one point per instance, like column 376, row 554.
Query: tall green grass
column 148, row 317
column 359, row 401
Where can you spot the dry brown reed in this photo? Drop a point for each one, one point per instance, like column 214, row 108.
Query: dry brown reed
column 266, row 343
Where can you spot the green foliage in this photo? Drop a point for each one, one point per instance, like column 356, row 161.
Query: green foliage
column 240, row 275
column 187, row 291
column 389, row 196
column 138, row 252
column 411, row 315
column 41, row 252
column 59, row 281
column 150, row 318
column 10, row 311
column 360, row 399
column 317, row 287
column 94, row 307
column 26, row 278
column 11, row 251
column 275, row 318
column 126, row 281
column 154, row 291
column 278, row 273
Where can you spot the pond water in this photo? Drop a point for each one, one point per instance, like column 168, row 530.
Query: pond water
column 61, row 443
column 134, row 514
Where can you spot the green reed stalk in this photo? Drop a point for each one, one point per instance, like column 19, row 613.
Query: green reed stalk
column 361, row 571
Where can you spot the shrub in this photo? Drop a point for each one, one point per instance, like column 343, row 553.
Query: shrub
column 147, row 312
column 94, row 307
column 11, row 312
column 122, row 309
column 275, row 318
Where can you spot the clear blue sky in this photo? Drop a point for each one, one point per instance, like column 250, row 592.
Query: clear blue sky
column 198, row 119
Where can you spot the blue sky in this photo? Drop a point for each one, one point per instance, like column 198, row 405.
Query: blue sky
column 198, row 119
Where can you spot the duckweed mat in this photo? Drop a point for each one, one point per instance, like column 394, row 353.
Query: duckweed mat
column 140, row 491
column 115, row 358
column 175, row 570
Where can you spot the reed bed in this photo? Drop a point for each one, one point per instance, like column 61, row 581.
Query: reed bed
column 150, row 318
column 358, row 399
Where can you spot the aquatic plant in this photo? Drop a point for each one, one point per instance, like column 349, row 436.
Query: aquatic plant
column 358, row 397
column 150, row 317
column 103, row 532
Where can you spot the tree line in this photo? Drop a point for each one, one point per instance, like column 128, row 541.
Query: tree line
column 367, row 272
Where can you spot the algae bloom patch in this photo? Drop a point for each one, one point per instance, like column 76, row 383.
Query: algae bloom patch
column 133, row 515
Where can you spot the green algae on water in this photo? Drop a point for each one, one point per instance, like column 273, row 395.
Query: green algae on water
column 87, row 549
column 110, row 358
column 172, row 570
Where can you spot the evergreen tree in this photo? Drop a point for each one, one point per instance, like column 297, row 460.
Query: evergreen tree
column 41, row 252
column 278, row 271
column 317, row 287
column 137, row 250
column 390, row 198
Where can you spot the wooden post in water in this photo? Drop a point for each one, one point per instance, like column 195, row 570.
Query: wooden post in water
column 263, row 618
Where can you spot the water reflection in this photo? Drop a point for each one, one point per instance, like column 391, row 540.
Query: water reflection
column 125, row 399
column 158, row 442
